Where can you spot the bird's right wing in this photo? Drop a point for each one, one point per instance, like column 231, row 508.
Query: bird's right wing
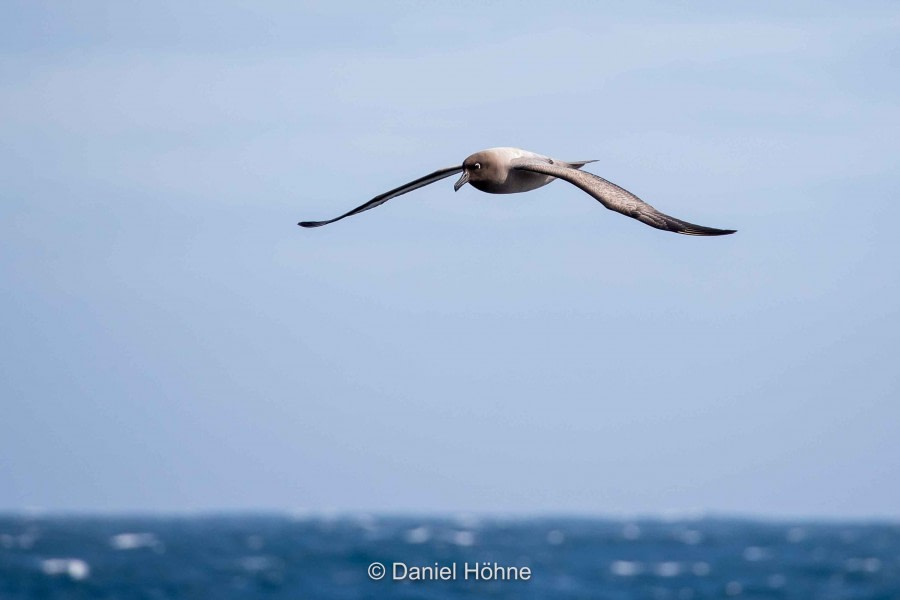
column 618, row 199
column 382, row 198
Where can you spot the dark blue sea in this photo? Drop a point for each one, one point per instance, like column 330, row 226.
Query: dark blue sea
column 224, row 557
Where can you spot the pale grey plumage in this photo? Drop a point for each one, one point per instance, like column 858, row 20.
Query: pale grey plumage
column 512, row 170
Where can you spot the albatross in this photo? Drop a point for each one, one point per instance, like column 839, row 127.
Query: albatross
column 513, row 170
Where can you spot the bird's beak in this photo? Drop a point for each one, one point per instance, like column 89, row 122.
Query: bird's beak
column 461, row 182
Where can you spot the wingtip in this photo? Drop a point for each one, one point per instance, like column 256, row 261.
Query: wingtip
column 685, row 228
column 708, row 232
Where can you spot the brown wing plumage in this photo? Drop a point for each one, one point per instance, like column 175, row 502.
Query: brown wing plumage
column 382, row 198
column 618, row 199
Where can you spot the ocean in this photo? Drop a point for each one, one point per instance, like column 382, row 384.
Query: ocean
column 225, row 557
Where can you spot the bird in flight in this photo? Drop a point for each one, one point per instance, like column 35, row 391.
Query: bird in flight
column 512, row 170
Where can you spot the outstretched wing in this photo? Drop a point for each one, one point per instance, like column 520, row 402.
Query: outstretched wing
column 618, row 199
column 382, row 198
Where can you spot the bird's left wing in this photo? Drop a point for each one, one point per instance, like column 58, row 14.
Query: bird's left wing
column 382, row 198
column 618, row 199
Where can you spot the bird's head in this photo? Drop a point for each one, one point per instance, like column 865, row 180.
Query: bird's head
column 480, row 167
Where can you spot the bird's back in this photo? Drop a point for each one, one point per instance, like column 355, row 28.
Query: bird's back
column 513, row 181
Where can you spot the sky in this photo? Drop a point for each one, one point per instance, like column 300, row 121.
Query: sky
column 172, row 341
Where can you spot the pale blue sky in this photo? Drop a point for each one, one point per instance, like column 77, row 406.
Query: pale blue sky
column 173, row 341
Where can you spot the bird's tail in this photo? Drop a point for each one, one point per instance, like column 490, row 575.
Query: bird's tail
column 577, row 164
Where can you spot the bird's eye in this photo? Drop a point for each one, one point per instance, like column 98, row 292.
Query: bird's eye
column 477, row 166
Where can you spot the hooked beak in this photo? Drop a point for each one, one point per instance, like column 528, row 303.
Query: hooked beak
column 461, row 182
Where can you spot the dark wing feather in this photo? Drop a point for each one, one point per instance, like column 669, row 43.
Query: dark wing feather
column 382, row 198
column 618, row 199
